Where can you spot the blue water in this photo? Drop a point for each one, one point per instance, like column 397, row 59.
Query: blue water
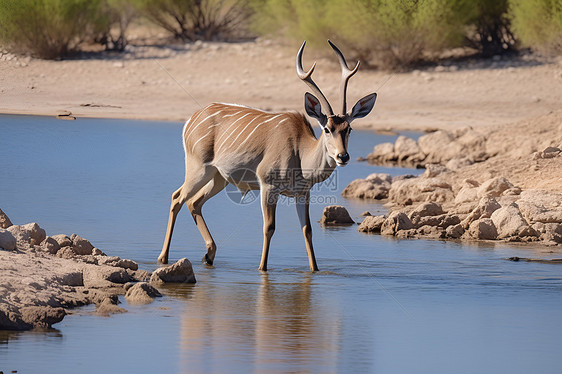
column 377, row 305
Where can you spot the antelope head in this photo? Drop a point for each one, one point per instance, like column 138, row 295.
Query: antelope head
column 336, row 127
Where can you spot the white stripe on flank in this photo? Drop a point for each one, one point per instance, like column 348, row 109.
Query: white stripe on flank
column 183, row 134
column 198, row 140
column 200, row 122
column 233, row 114
column 229, row 126
column 237, row 105
column 246, row 106
column 280, row 122
column 185, row 128
column 226, row 131
column 249, row 136
column 191, row 119
column 240, row 133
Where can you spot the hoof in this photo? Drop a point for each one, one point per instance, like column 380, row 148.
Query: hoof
column 162, row 260
column 207, row 261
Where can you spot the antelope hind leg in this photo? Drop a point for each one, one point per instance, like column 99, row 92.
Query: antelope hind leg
column 195, row 205
column 193, row 183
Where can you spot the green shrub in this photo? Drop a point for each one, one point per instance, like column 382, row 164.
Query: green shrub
column 192, row 20
column 386, row 33
column 538, row 24
column 116, row 16
column 47, row 28
column 293, row 18
column 490, row 31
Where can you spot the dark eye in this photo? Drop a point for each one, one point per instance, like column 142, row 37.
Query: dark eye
column 326, row 130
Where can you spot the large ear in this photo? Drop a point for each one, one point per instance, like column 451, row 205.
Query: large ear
column 314, row 109
column 363, row 107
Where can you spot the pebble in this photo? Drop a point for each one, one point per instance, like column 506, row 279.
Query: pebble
column 68, row 118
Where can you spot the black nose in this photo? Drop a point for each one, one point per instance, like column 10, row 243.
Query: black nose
column 344, row 157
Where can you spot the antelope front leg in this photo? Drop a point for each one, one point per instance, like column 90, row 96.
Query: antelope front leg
column 268, row 205
column 302, row 203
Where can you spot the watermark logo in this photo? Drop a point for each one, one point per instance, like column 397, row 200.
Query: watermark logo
column 295, row 181
column 243, row 196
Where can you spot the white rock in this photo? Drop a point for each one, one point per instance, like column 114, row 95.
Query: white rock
column 28, row 234
column 541, row 206
column 4, row 220
column 510, row 223
column 483, row 229
column 425, row 210
column 395, row 222
column 382, row 152
column 335, row 215
column 7, row 240
column 371, row 224
column 141, row 293
column 370, row 188
column 62, row 240
column 486, row 206
column 180, row 272
column 80, row 245
column 466, row 194
column 50, row 245
column 405, row 147
column 494, row 187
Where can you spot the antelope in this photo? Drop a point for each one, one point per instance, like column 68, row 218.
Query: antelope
column 222, row 142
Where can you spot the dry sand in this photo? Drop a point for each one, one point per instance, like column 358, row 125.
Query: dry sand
column 144, row 83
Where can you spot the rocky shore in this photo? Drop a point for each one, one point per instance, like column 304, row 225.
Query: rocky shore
column 494, row 183
column 43, row 277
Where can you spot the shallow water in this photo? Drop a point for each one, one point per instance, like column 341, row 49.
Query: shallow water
column 377, row 305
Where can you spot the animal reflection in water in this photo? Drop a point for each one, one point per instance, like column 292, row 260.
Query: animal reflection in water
column 265, row 324
column 280, row 150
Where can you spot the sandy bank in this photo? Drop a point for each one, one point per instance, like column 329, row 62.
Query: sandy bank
column 171, row 82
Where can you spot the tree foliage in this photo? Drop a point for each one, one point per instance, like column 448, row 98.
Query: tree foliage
column 387, row 33
column 492, row 33
column 538, row 24
column 48, row 28
column 399, row 33
column 192, row 20
column 117, row 16
column 393, row 34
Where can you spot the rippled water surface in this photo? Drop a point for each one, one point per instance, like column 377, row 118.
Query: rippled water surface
column 377, row 305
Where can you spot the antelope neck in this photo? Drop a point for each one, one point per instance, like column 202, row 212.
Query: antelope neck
column 316, row 165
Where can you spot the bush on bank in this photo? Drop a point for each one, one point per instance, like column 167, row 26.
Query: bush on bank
column 47, row 28
column 538, row 24
column 382, row 32
column 391, row 34
column 192, row 20
column 398, row 34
